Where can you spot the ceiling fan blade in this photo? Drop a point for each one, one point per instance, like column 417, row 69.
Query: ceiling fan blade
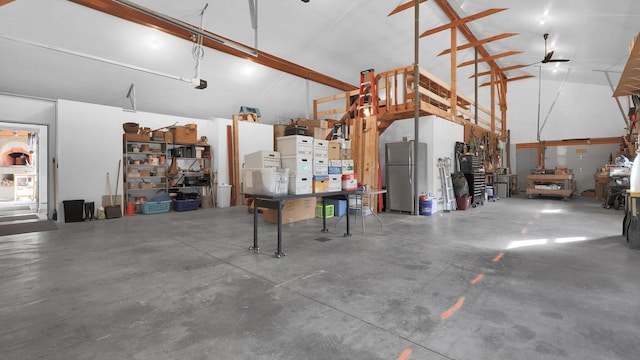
column 547, row 57
column 558, row 60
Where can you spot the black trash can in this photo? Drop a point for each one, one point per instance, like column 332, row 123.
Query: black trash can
column 73, row 210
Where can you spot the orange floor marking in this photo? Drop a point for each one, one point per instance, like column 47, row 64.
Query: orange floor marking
column 405, row 354
column 497, row 258
column 478, row 278
column 453, row 309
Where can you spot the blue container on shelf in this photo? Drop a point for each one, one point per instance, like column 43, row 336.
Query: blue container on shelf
column 186, row 205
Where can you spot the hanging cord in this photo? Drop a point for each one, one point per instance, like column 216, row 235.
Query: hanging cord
column 198, row 50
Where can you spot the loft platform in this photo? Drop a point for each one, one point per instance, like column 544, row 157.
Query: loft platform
column 395, row 91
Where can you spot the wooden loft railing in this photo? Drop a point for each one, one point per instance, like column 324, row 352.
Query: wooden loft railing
column 396, row 102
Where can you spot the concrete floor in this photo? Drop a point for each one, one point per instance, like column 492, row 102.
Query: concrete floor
column 515, row 279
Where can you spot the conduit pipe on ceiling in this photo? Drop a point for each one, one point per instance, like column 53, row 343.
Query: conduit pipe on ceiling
column 193, row 29
column 101, row 59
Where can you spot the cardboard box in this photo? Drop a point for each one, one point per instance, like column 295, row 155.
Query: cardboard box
column 335, row 167
column 320, row 148
column 320, row 133
column 300, row 184
column 295, row 145
column 278, row 131
column 184, row 134
column 298, row 164
column 347, row 167
column 262, row 159
column 333, row 150
column 137, row 137
column 320, row 166
column 320, row 183
column 335, row 183
column 324, row 124
column 293, row 210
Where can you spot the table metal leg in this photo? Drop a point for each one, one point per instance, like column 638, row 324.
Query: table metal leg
column 348, row 233
column 255, row 246
column 324, row 217
column 374, row 212
column 279, row 251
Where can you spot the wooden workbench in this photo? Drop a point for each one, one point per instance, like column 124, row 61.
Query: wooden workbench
column 565, row 182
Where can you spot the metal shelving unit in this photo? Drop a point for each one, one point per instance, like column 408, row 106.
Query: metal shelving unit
column 473, row 170
column 145, row 169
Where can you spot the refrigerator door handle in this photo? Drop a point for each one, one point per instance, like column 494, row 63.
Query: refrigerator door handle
column 410, row 174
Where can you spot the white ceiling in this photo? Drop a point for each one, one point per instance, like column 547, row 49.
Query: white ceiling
column 335, row 37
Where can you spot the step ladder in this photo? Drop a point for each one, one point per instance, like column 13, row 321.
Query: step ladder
column 368, row 97
column 448, row 196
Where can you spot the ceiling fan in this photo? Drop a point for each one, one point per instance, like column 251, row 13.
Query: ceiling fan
column 548, row 55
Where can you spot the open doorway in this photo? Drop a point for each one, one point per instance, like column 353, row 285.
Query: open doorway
column 20, row 170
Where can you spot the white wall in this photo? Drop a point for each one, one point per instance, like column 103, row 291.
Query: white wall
column 90, row 145
column 251, row 136
column 440, row 136
column 580, row 111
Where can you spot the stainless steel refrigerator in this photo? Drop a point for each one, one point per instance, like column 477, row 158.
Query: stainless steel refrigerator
column 400, row 165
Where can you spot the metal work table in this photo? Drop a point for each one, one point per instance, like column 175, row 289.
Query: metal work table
column 275, row 202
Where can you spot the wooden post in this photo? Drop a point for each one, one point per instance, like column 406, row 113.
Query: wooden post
column 364, row 151
column 236, row 163
column 493, row 100
column 454, row 73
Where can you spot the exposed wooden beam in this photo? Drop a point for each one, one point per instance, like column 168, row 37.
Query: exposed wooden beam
column 461, row 21
column 512, row 79
column 480, row 42
column 263, row 58
column 5, row 2
column 464, row 29
column 573, row 142
column 492, row 57
column 505, row 69
column 404, row 6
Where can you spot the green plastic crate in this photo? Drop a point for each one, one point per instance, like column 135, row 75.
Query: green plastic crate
column 328, row 210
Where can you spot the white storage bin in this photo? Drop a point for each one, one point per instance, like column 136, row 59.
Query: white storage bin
column 320, row 148
column 298, row 164
column 266, row 181
column 335, row 183
column 320, row 166
column 262, row 159
column 223, row 195
column 295, row 145
column 300, row 184
column 347, row 167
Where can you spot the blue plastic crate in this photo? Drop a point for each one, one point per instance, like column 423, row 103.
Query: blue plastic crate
column 156, row 207
column 186, row 205
column 339, row 206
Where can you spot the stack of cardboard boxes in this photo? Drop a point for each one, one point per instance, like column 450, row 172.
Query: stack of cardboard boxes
column 313, row 165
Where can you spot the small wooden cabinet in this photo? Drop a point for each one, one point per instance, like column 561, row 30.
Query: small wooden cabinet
column 561, row 185
column 25, row 186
